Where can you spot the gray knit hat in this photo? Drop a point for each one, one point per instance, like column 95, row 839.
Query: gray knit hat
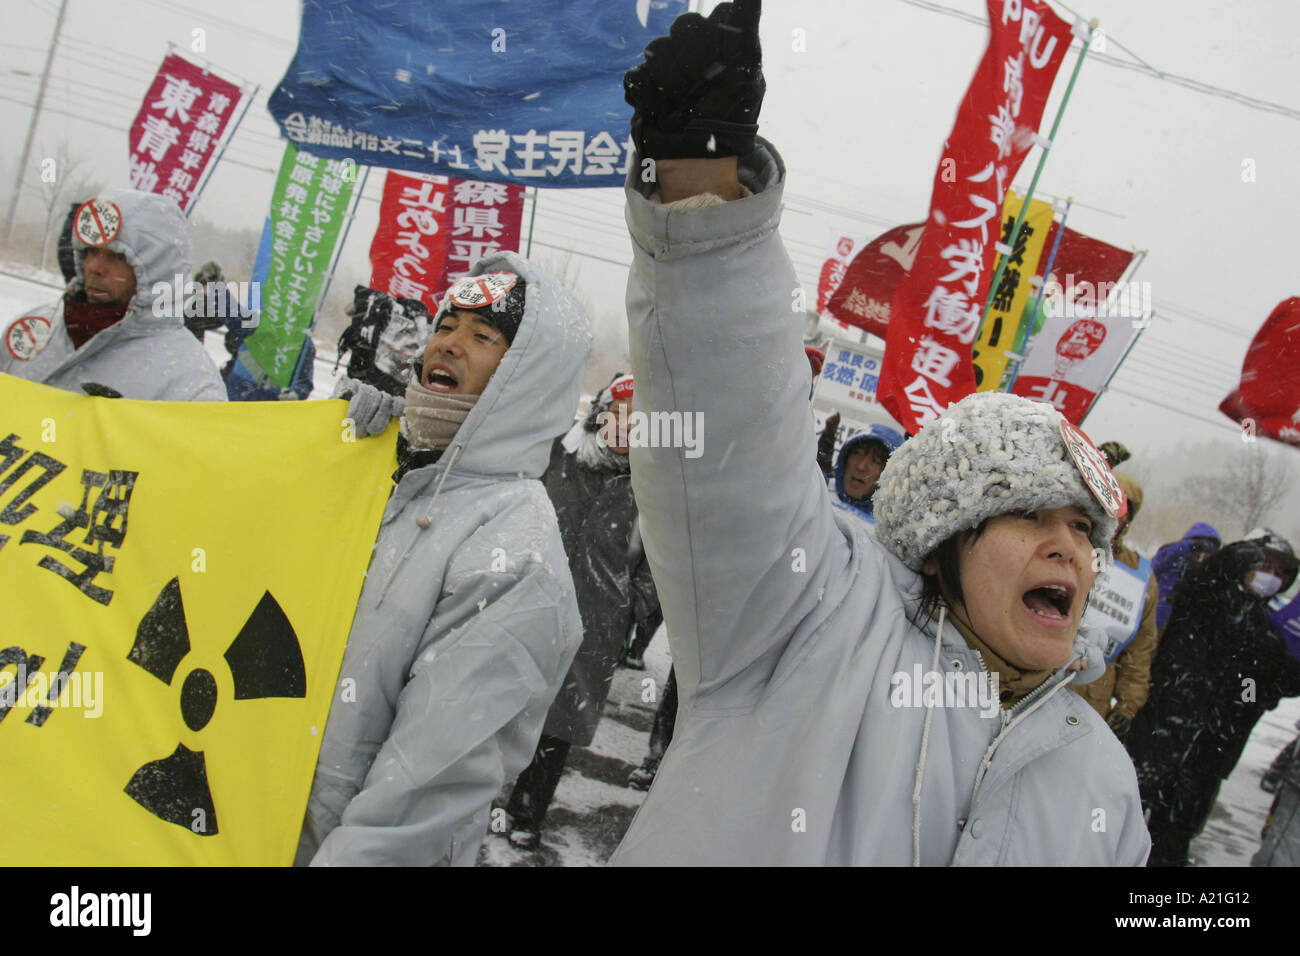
column 987, row 455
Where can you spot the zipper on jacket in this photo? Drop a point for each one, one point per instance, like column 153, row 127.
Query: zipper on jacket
column 1004, row 715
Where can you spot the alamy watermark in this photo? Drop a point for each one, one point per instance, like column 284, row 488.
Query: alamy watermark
column 78, row 689
column 949, row 689
column 214, row 300
column 654, row 430
column 1102, row 300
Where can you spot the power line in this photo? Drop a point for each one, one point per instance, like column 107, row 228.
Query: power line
column 1179, row 411
column 243, row 29
column 1141, row 66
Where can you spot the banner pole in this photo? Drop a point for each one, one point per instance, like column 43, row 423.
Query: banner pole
column 1023, row 341
column 212, row 166
column 531, row 219
column 1123, row 358
column 1042, row 161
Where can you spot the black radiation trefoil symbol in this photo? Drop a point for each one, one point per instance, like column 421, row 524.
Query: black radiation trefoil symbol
column 265, row 660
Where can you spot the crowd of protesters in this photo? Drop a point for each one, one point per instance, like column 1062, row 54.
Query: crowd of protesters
column 790, row 573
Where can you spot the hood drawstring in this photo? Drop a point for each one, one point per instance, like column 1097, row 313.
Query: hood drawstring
column 422, row 522
column 925, row 743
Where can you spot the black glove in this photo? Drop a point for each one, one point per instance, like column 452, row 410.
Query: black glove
column 100, row 391
column 1119, row 723
column 698, row 93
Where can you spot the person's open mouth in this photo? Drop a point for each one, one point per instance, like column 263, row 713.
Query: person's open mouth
column 1050, row 602
column 440, row 378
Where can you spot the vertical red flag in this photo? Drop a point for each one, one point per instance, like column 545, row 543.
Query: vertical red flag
column 936, row 311
column 485, row 218
column 1268, row 400
column 175, row 134
column 409, row 250
column 432, row 229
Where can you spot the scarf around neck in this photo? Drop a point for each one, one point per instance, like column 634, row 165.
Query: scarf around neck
column 84, row 319
column 431, row 419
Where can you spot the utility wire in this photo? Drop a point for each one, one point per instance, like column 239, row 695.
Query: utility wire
column 1197, row 86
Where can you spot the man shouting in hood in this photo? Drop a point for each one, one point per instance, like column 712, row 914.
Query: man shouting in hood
column 467, row 621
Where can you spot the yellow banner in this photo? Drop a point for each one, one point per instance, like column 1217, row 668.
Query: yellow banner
column 998, row 333
column 178, row 581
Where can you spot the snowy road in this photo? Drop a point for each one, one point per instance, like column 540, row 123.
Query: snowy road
column 593, row 806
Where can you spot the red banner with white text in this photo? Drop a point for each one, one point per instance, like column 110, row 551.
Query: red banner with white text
column 432, row 229
column 936, row 311
column 175, row 135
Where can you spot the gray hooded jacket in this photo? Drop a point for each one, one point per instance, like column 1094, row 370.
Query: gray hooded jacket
column 144, row 356
column 466, row 627
column 804, row 731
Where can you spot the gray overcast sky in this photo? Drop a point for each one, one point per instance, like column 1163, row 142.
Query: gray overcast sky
column 860, row 115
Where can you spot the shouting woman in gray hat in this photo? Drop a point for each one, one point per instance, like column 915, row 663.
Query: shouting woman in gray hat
column 844, row 699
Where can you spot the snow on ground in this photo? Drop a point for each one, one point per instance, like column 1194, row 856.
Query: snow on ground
column 23, row 288
column 1231, row 835
column 593, row 805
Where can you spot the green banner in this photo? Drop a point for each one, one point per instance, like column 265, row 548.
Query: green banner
column 308, row 206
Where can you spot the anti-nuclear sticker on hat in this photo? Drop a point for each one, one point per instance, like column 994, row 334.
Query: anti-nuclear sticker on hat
column 474, row 292
column 98, row 222
column 1092, row 465
column 26, row 337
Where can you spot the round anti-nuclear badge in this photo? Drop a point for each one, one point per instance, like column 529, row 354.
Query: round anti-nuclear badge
column 97, row 222
column 474, row 292
column 1101, row 481
column 26, row 337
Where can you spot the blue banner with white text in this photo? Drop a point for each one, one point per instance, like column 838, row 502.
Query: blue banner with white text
column 496, row 90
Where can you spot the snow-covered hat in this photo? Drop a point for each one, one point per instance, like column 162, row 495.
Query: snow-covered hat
column 987, row 455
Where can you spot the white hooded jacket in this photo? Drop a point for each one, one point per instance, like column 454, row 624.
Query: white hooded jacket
column 804, row 735
column 467, row 621
column 143, row 356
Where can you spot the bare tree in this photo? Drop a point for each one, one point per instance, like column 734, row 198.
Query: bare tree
column 1254, row 481
column 62, row 181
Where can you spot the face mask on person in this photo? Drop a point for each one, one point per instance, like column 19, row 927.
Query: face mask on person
column 1262, row 584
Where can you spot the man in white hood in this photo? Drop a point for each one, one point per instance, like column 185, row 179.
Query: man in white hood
column 110, row 329
column 467, row 621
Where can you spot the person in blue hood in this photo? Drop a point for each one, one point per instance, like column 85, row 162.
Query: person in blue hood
column 858, row 468
column 1201, row 541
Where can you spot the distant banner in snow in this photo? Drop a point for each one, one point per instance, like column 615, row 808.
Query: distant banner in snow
column 834, row 269
column 432, row 229
column 1269, row 395
column 937, row 310
column 488, row 89
column 308, row 207
column 993, row 347
column 1072, row 358
column 175, row 612
column 848, row 382
column 863, row 296
column 174, row 136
